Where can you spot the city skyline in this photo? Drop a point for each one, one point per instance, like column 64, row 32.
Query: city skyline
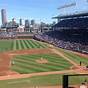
column 39, row 10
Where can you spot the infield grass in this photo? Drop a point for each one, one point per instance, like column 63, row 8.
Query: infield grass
column 28, row 64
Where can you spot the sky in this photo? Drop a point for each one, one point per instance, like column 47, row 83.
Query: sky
column 40, row 10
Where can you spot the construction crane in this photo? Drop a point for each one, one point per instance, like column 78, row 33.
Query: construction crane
column 67, row 5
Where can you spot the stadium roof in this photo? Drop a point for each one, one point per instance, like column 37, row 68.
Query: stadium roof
column 71, row 16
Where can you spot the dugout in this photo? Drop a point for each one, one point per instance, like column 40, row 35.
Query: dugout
column 75, row 80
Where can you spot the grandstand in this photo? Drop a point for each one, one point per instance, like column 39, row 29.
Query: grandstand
column 7, row 35
column 71, row 32
column 15, row 35
column 74, row 21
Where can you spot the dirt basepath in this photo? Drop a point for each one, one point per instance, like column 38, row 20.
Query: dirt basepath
column 4, row 63
column 15, row 76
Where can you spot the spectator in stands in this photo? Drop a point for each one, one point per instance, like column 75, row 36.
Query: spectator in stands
column 83, row 85
column 65, row 41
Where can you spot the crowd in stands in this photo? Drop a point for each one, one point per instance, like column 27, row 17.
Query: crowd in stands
column 71, row 23
column 14, row 35
column 7, row 35
column 66, row 41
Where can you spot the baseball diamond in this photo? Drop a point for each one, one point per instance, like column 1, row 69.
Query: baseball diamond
column 24, row 64
column 44, row 53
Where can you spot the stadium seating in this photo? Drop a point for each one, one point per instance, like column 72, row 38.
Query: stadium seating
column 7, row 35
column 79, row 23
column 75, row 38
column 69, row 41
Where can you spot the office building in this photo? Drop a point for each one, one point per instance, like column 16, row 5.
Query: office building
column 32, row 22
column 3, row 16
column 20, row 22
column 27, row 25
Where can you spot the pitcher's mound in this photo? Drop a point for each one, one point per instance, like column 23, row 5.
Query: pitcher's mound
column 42, row 61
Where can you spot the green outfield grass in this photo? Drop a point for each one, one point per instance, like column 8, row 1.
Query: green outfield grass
column 28, row 64
column 77, row 79
column 75, row 57
column 32, row 82
column 38, row 81
column 6, row 45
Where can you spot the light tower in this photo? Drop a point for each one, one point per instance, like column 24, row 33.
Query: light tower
column 67, row 6
column 63, row 8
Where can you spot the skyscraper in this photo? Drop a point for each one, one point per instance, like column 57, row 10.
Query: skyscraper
column 32, row 22
column 3, row 16
column 27, row 25
column 20, row 21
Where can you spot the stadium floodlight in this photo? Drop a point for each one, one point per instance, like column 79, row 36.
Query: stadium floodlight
column 67, row 5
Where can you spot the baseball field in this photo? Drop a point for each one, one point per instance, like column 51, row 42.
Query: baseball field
column 27, row 63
